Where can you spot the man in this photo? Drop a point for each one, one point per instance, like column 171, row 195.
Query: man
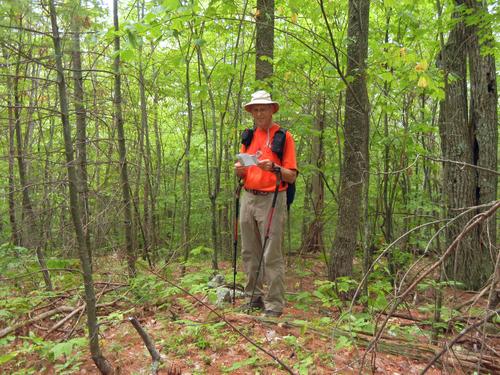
column 260, row 184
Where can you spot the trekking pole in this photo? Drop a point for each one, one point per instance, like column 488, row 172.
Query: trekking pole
column 235, row 238
column 268, row 228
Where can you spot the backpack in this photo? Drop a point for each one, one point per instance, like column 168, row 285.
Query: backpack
column 277, row 146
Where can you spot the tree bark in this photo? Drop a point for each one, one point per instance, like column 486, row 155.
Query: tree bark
column 125, row 185
column 314, row 233
column 148, row 191
column 11, row 194
column 100, row 361
column 264, row 43
column 469, row 134
column 81, row 127
column 483, row 117
column 214, row 178
column 456, row 144
column 29, row 235
column 186, row 195
column 356, row 133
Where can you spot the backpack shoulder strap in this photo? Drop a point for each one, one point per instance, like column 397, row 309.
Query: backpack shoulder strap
column 278, row 144
column 246, row 137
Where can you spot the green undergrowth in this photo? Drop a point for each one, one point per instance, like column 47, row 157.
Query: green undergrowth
column 317, row 309
column 35, row 355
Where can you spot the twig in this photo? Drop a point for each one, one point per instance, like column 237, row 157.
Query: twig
column 449, row 345
column 463, row 164
column 474, row 299
column 150, row 345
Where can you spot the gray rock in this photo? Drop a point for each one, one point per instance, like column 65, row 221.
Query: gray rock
column 217, row 281
column 224, row 295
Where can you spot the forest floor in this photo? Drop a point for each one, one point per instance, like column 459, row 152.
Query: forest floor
column 317, row 334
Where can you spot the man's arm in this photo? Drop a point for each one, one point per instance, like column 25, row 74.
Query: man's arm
column 288, row 175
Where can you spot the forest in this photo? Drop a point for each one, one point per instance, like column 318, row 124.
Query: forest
column 120, row 122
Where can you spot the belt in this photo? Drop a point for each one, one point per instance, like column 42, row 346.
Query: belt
column 259, row 192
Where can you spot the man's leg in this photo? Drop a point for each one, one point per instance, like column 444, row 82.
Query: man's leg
column 251, row 246
column 273, row 262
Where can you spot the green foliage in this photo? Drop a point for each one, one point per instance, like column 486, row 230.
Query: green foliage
column 13, row 257
column 148, row 288
column 306, row 360
column 357, row 322
column 251, row 362
column 66, row 355
column 343, row 342
column 378, row 291
column 302, row 300
column 328, row 291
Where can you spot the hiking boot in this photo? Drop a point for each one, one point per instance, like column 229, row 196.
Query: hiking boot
column 255, row 304
column 272, row 314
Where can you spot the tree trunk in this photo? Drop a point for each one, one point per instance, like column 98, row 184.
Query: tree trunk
column 356, row 133
column 29, row 234
column 456, row 144
column 100, row 361
column 81, row 127
column 214, row 178
column 264, row 43
column 131, row 256
column 148, row 197
column 314, row 233
column 186, row 195
column 468, row 135
column 157, row 177
column 12, row 202
column 483, row 117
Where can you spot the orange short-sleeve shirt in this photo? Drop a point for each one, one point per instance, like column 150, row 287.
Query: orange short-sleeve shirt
column 258, row 179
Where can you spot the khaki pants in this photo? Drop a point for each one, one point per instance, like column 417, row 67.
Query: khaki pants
column 254, row 216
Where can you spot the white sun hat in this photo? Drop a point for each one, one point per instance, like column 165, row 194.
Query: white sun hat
column 261, row 97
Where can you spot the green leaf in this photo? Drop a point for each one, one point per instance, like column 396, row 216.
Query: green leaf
column 171, row 4
column 63, row 348
column 380, row 302
column 132, row 38
column 7, row 357
column 237, row 365
column 127, row 54
column 343, row 343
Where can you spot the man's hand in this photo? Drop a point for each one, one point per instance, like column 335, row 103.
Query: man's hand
column 287, row 175
column 266, row 165
column 240, row 170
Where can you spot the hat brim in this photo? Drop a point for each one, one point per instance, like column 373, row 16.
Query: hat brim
column 255, row 102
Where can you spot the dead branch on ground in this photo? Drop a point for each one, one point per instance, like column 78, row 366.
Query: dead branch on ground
column 150, row 345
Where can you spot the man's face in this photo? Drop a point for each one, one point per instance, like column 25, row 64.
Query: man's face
column 262, row 115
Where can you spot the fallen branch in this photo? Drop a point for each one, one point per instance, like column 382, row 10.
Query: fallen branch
column 66, row 318
column 81, row 308
column 449, row 345
column 46, row 314
column 155, row 355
